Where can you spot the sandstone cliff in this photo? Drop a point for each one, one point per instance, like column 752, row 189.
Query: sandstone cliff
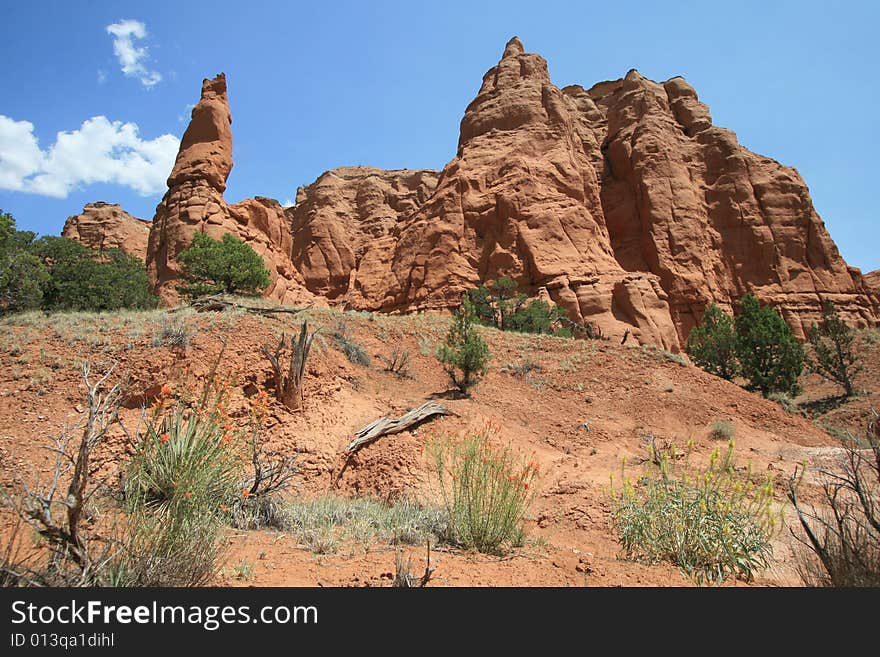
column 685, row 201
column 622, row 203
column 107, row 226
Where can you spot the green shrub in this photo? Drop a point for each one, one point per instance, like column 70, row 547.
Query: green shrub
column 833, row 356
column 709, row 523
column 486, row 490
column 22, row 274
column 183, row 480
column 501, row 306
column 228, row 266
column 465, row 354
column 83, row 279
column 770, row 356
column 722, row 430
column 712, row 344
column 185, row 459
column 354, row 352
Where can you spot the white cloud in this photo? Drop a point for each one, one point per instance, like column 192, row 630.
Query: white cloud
column 132, row 58
column 102, row 76
column 100, row 151
column 288, row 203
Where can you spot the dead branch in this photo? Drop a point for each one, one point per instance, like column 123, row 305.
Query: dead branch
column 385, row 426
column 36, row 508
column 288, row 385
column 403, row 578
column 216, row 303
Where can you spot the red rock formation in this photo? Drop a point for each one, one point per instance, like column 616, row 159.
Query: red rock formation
column 685, row 201
column 346, row 225
column 522, row 199
column 622, row 203
column 194, row 202
column 107, row 226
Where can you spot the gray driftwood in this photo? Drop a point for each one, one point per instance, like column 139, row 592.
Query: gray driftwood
column 385, row 426
column 217, row 303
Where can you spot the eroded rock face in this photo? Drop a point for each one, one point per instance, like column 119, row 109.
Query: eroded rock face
column 522, row 199
column 346, row 226
column 621, row 203
column 194, row 202
column 683, row 200
column 107, row 226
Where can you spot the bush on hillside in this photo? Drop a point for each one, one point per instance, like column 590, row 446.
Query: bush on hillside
column 486, row 487
column 770, row 356
column 465, row 354
column 832, row 343
column 501, row 306
column 22, row 275
column 712, row 344
column 227, row 266
column 709, row 523
column 83, row 279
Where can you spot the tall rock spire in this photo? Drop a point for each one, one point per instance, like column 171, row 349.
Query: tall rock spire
column 194, row 203
column 206, row 148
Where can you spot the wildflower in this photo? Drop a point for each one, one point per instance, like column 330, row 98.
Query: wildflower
column 188, row 494
column 164, row 438
column 246, row 493
column 166, row 390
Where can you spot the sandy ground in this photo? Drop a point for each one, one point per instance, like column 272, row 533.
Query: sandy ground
column 583, row 408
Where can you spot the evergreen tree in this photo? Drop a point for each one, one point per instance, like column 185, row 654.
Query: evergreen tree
column 770, row 356
column 22, row 275
column 712, row 344
column 465, row 354
column 83, row 279
column 501, row 306
column 832, row 343
column 226, row 266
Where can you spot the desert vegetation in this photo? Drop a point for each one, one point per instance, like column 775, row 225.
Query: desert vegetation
column 758, row 345
column 499, row 304
column 486, row 488
column 710, row 522
column 56, row 273
column 464, row 355
column 160, row 517
column 840, row 539
column 225, row 266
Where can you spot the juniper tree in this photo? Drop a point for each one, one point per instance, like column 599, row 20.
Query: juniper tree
column 832, row 344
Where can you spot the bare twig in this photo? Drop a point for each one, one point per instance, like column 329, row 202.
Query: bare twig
column 65, row 536
column 403, row 577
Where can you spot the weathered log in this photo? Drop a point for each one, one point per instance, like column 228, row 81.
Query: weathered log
column 386, row 426
column 218, row 303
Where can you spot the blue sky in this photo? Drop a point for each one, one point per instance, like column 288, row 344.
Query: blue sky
column 318, row 85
